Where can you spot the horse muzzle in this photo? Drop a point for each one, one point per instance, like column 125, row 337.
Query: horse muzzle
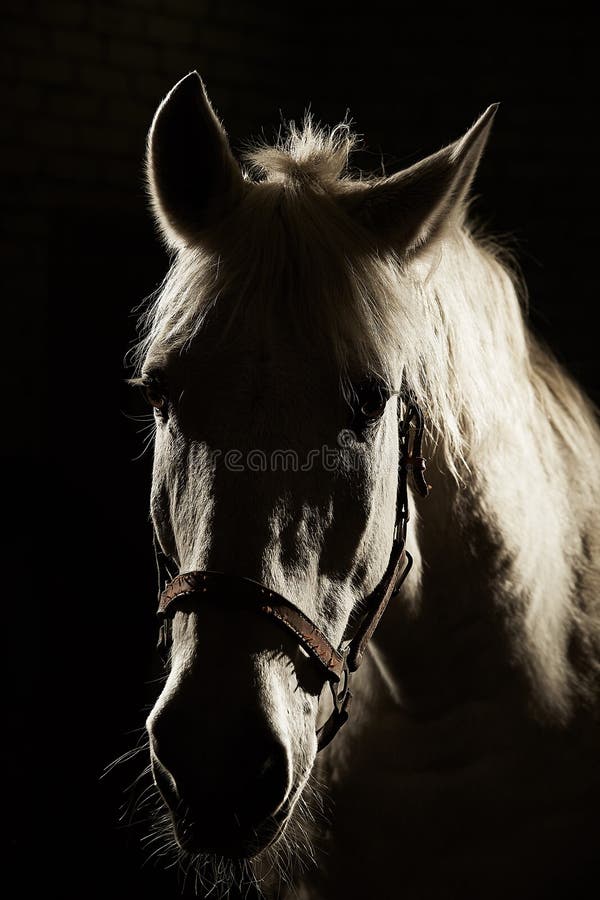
column 231, row 800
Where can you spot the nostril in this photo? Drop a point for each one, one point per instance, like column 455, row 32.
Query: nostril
column 269, row 765
column 268, row 788
column 165, row 783
column 171, row 749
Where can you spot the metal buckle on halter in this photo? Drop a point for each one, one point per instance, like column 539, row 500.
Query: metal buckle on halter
column 341, row 706
column 340, row 690
column 410, row 452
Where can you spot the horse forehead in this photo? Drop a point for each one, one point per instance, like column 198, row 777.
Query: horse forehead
column 253, row 374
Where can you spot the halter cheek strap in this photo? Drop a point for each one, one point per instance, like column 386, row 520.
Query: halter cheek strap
column 335, row 663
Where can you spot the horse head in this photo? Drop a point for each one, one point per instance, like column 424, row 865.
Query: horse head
column 274, row 360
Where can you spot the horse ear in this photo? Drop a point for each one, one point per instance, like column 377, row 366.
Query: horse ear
column 193, row 179
column 408, row 209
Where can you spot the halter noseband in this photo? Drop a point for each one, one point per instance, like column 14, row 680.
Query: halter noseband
column 335, row 663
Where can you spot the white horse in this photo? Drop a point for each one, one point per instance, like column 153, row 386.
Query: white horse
column 300, row 304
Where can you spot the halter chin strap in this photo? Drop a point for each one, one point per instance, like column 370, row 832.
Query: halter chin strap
column 335, row 663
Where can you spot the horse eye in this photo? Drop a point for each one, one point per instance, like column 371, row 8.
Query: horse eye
column 155, row 393
column 372, row 397
column 373, row 406
column 154, row 398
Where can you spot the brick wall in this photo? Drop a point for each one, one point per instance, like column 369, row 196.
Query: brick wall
column 80, row 82
column 85, row 79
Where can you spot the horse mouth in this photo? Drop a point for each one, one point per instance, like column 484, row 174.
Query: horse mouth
column 238, row 843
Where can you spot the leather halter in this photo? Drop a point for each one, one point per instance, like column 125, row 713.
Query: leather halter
column 335, row 663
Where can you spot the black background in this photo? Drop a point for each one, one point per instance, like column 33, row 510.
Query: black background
column 79, row 579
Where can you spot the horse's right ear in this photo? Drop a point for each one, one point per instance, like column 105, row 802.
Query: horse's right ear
column 408, row 209
column 193, row 179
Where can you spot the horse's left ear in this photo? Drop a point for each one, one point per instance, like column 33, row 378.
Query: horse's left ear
column 193, row 179
column 410, row 208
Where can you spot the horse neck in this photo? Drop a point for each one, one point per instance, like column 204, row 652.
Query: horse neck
column 488, row 609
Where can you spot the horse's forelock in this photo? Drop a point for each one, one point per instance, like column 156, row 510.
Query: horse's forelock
column 310, row 152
